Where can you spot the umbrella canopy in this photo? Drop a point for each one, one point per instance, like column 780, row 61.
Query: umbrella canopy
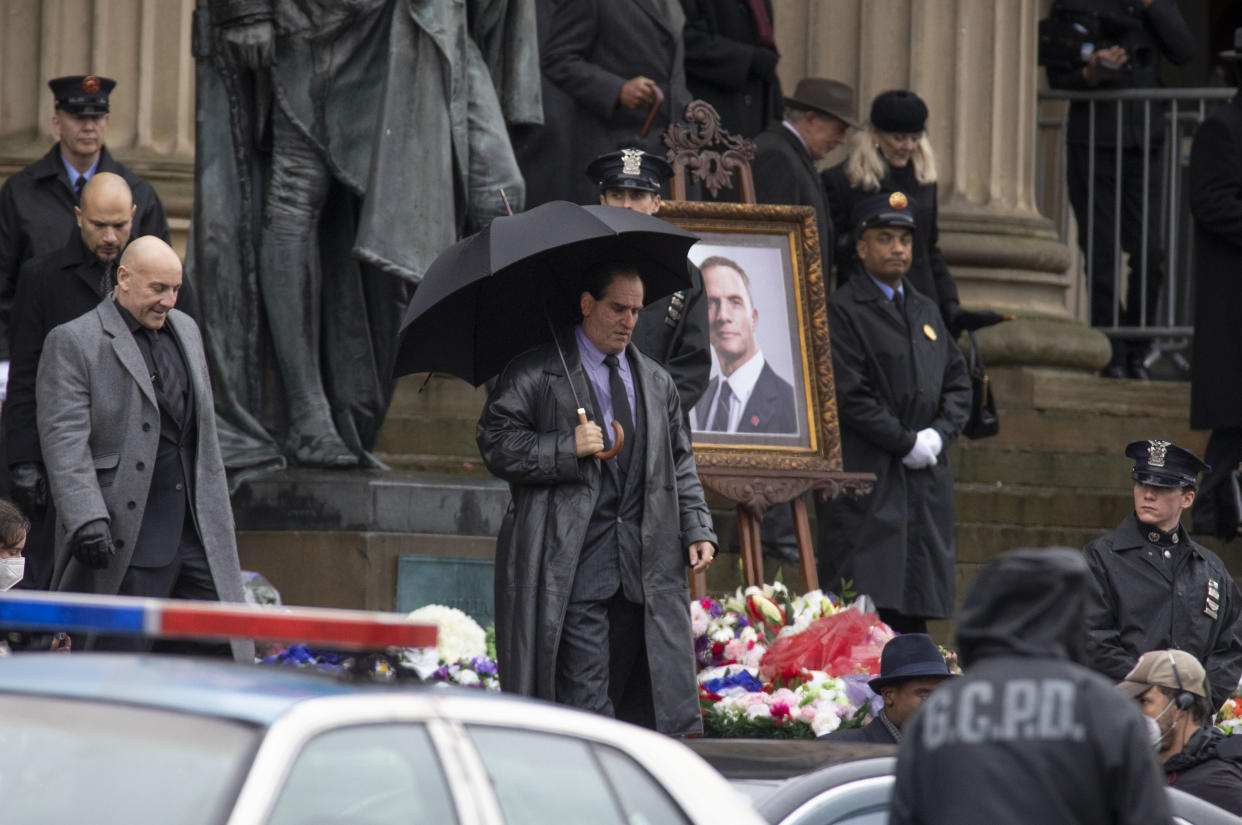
column 490, row 296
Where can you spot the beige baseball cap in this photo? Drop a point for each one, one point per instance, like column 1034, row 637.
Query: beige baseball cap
column 1172, row 669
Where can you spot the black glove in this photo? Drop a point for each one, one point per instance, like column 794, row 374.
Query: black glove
column 763, row 63
column 92, row 544
column 963, row 320
column 28, row 485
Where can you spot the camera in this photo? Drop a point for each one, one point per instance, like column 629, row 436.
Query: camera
column 1073, row 31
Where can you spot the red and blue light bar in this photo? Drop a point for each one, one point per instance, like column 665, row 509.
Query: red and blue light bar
column 181, row 618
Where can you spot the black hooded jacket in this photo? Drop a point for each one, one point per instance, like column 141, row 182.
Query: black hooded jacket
column 1028, row 735
column 1209, row 766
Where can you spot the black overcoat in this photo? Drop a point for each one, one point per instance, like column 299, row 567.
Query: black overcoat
column 592, row 49
column 874, row 731
column 1216, row 203
column 36, row 215
column 727, row 67
column 1139, row 605
column 785, row 174
column 928, row 271
column 893, row 378
column 525, row 436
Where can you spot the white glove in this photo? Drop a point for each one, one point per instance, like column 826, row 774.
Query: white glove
column 923, row 453
column 933, row 439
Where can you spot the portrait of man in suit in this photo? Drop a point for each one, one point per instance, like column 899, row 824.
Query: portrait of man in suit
column 747, row 395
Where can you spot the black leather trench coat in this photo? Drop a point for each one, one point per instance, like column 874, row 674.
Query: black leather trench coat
column 525, row 436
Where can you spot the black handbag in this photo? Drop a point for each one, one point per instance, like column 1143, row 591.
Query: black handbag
column 983, row 420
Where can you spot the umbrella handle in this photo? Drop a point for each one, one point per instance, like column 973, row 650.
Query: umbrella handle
column 618, row 442
column 651, row 115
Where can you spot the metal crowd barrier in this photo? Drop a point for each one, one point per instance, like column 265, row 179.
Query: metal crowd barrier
column 1172, row 328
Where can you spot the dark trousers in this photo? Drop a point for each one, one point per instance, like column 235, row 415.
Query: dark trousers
column 1103, row 212
column 187, row 576
column 601, row 664
column 1216, row 508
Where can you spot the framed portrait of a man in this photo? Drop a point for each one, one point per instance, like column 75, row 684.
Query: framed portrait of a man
column 770, row 401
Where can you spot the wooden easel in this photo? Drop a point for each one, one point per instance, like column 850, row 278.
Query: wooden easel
column 694, row 150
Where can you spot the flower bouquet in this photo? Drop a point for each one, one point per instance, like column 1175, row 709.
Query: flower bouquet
column 462, row 655
column 745, row 693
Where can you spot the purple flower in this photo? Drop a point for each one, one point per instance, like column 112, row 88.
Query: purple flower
column 482, row 665
column 715, row 611
column 859, row 693
column 742, row 621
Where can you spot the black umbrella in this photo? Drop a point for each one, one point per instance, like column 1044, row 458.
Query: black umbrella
column 493, row 295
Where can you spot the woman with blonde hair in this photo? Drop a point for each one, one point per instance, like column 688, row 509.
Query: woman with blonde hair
column 894, row 154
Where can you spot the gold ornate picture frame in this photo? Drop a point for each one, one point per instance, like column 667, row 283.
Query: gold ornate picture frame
column 789, row 418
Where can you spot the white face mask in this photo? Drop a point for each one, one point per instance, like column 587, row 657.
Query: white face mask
column 11, row 571
column 1155, row 735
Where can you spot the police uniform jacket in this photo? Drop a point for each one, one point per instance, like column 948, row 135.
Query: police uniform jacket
column 928, row 271
column 785, row 174
column 36, row 215
column 526, row 437
column 1141, row 605
column 895, row 374
column 673, row 331
column 1028, row 734
column 727, row 66
column 1216, row 203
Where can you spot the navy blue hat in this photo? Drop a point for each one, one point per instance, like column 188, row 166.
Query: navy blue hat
column 82, row 94
column 883, row 209
column 899, row 111
column 909, row 656
column 629, row 168
column 1162, row 464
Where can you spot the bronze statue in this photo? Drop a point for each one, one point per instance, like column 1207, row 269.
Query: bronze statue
column 341, row 146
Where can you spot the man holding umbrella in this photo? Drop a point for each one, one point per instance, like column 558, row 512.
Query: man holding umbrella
column 592, row 601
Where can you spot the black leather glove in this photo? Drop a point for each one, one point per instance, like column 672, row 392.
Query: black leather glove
column 763, row 63
column 92, row 544
column 961, row 320
column 28, row 485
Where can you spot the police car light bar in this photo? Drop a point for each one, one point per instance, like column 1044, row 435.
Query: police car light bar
column 180, row 618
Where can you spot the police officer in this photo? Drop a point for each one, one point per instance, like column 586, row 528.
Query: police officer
column 36, row 204
column 1155, row 587
column 672, row 330
column 1028, row 734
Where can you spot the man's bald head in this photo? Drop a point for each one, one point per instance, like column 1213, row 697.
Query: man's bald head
column 148, row 280
column 105, row 215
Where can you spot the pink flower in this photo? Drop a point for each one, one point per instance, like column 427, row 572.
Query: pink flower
column 780, row 711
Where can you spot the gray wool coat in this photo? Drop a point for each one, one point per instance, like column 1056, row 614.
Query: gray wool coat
column 96, row 409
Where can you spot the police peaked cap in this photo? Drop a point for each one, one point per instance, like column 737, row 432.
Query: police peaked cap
column 1162, row 464
column 629, row 168
column 883, row 209
column 82, row 94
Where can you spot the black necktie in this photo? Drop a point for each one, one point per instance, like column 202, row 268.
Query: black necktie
column 168, row 375
column 77, row 187
column 105, row 279
column 899, row 301
column 620, row 407
column 721, row 422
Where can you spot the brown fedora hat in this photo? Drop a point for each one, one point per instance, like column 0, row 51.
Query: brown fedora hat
column 830, row 97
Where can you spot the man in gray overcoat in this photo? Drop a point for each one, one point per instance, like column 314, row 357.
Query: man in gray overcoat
column 903, row 395
column 592, row 598
column 128, row 433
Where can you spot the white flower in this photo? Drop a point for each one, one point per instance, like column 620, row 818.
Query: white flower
column 825, row 722
column 458, row 636
column 749, row 634
column 758, row 711
column 467, row 677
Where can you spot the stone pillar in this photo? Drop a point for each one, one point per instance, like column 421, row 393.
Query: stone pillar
column 974, row 63
column 145, row 46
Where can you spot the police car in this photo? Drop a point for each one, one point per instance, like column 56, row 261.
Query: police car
column 151, row 740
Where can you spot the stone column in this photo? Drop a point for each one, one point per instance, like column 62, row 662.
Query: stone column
column 974, row 63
